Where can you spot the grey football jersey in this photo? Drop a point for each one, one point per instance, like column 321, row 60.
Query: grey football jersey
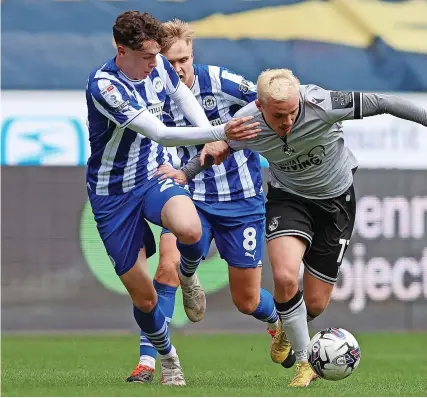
column 316, row 164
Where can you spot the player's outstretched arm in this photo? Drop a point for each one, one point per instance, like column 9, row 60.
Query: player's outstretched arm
column 113, row 100
column 378, row 104
column 212, row 153
column 151, row 127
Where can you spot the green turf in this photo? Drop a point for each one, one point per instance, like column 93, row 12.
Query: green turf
column 214, row 365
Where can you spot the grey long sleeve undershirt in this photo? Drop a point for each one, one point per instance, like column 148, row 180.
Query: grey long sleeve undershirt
column 372, row 105
column 194, row 167
column 378, row 104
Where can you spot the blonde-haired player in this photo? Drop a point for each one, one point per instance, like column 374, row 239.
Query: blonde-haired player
column 311, row 204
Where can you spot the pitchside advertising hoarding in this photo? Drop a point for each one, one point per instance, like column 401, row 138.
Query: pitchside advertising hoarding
column 48, row 128
column 56, row 274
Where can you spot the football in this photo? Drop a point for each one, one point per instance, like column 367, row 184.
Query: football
column 334, row 353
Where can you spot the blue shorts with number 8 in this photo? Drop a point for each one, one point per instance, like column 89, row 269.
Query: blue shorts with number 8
column 238, row 228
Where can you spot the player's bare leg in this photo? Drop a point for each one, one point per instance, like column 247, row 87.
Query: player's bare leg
column 166, row 282
column 317, row 294
column 152, row 321
column 250, row 299
column 180, row 216
column 167, row 271
column 286, row 253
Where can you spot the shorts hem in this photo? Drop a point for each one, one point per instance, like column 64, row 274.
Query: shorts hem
column 319, row 275
column 290, row 232
column 245, row 265
column 123, row 271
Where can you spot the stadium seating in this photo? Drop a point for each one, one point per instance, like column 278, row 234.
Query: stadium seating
column 54, row 44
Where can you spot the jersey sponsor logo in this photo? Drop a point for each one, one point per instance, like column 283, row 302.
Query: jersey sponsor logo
column 209, row 102
column 122, row 106
column 156, row 109
column 43, row 140
column 216, row 122
column 157, row 84
column 244, row 86
column 274, row 223
column 313, row 158
column 341, row 99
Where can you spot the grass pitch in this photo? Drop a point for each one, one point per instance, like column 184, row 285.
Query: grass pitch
column 214, row 365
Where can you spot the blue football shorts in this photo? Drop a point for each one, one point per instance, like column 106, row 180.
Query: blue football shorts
column 238, row 228
column 121, row 219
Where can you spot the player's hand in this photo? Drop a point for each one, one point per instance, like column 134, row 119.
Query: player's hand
column 218, row 151
column 238, row 129
column 167, row 171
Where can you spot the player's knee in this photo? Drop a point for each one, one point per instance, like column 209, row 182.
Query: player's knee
column 285, row 281
column 316, row 304
column 167, row 272
column 246, row 303
column 144, row 304
column 189, row 232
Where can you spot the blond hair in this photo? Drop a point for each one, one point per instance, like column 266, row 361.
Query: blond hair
column 278, row 84
column 176, row 30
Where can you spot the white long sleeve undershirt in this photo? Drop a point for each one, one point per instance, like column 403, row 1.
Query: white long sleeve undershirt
column 151, row 127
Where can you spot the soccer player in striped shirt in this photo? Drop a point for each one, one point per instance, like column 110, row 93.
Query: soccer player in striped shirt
column 125, row 98
column 228, row 197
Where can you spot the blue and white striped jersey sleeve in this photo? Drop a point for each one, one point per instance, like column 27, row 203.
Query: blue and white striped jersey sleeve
column 114, row 101
column 242, row 90
column 168, row 74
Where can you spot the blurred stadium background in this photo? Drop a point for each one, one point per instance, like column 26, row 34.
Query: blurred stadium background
column 55, row 274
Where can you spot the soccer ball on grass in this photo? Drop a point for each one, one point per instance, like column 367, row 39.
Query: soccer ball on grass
column 334, row 353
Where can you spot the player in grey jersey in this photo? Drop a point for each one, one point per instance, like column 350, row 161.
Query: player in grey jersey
column 311, row 204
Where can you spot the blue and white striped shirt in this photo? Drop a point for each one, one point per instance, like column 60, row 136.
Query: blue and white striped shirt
column 121, row 158
column 221, row 93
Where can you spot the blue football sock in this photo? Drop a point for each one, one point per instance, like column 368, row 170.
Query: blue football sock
column 191, row 256
column 266, row 310
column 155, row 328
column 166, row 299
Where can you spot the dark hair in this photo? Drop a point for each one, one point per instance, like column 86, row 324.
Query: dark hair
column 133, row 27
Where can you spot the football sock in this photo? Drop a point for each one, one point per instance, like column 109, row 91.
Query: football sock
column 266, row 310
column 293, row 315
column 166, row 299
column 191, row 256
column 155, row 328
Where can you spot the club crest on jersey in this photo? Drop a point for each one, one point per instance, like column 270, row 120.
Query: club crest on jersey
column 288, row 150
column 157, row 84
column 209, row 102
column 274, row 223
